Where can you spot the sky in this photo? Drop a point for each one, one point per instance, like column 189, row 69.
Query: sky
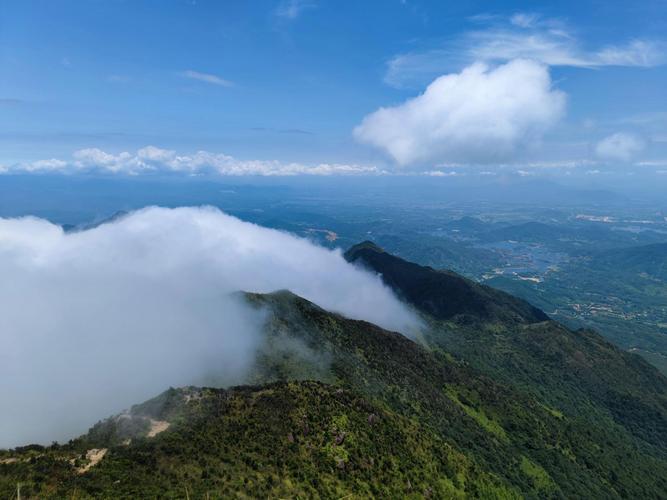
column 301, row 87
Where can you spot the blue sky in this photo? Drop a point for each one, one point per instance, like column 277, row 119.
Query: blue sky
column 294, row 86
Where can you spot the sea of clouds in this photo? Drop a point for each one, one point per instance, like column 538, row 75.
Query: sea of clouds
column 96, row 320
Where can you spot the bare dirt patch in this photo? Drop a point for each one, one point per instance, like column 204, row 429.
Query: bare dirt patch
column 93, row 456
column 157, row 426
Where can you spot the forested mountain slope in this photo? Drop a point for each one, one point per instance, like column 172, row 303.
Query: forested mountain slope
column 494, row 401
column 577, row 371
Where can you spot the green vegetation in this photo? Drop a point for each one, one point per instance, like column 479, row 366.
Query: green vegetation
column 616, row 297
column 593, row 264
column 541, row 479
column 612, row 396
column 298, row 439
column 494, row 402
column 480, row 417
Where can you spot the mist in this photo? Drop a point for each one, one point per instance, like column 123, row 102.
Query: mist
column 94, row 321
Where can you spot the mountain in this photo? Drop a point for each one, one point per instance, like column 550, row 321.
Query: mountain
column 340, row 407
column 469, row 224
column 435, row 250
column 578, row 238
column 577, row 371
column 116, row 216
column 650, row 260
column 443, row 294
column 296, row 439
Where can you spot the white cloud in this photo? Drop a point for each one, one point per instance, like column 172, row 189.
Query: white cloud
column 522, row 36
column 558, row 48
column 151, row 159
column 567, row 164
column 45, row 165
column 207, row 78
column 640, row 53
column 524, row 19
column 619, row 147
column 441, row 173
column 97, row 159
column 291, row 9
column 652, row 163
column 96, row 320
column 480, row 115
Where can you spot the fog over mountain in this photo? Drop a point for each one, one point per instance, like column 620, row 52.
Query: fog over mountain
column 96, row 320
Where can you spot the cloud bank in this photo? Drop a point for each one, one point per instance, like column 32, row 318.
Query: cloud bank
column 153, row 160
column 479, row 115
column 94, row 321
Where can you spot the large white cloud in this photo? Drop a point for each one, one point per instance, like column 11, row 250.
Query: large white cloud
column 93, row 321
column 619, row 147
column 479, row 115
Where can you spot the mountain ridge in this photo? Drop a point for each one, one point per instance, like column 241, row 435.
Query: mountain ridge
column 440, row 293
column 471, row 403
column 543, row 357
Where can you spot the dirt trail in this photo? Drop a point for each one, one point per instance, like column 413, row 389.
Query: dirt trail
column 94, row 456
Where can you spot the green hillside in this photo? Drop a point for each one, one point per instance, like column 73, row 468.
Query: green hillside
column 577, row 371
column 298, row 439
column 443, row 294
column 494, row 401
column 647, row 259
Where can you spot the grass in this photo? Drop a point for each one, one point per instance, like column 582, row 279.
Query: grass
column 538, row 475
column 478, row 415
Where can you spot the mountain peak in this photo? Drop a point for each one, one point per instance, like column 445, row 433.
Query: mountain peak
column 353, row 252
